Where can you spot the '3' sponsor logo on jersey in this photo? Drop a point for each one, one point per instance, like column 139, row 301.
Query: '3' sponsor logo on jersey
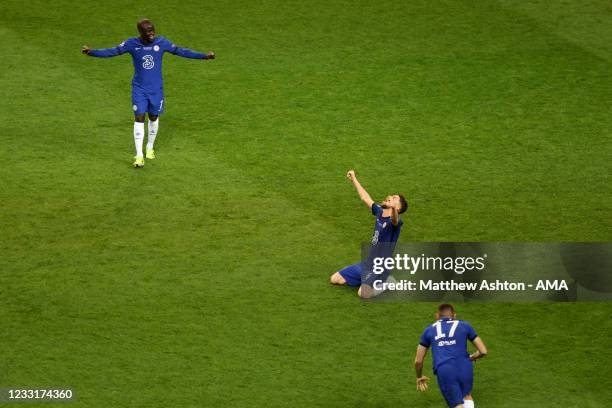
column 375, row 237
column 148, row 62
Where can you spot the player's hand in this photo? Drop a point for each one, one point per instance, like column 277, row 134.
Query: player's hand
column 350, row 175
column 85, row 50
column 210, row 55
column 421, row 383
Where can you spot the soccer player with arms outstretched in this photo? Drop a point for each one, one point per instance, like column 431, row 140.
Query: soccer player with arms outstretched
column 452, row 363
column 147, row 84
column 386, row 232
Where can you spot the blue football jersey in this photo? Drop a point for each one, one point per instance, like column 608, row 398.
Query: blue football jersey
column 147, row 59
column 448, row 340
column 385, row 235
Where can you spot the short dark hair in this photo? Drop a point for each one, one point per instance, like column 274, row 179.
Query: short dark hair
column 404, row 204
column 446, row 307
column 143, row 21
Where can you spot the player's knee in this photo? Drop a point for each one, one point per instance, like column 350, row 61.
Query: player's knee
column 153, row 118
column 337, row 279
column 365, row 292
column 139, row 118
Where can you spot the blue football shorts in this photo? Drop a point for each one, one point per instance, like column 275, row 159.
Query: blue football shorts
column 455, row 380
column 356, row 275
column 352, row 274
column 144, row 101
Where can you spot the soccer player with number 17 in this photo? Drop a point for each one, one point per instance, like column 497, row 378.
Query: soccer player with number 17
column 452, row 364
column 147, row 83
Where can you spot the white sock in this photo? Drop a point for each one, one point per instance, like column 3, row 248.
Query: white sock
column 152, row 133
column 468, row 403
column 138, row 137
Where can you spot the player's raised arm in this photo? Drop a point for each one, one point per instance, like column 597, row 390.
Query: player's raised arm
column 421, row 381
column 365, row 197
column 481, row 349
column 394, row 216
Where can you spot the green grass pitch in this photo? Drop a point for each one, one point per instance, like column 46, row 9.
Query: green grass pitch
column 201, row 280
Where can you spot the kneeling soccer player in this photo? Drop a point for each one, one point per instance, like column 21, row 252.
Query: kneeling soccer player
column 451, row 362
column 147, row 84
column 386, row 232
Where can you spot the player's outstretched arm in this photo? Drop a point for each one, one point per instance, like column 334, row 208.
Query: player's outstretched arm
column 102, row 53
column 421, row 380
column 481, row 349
column 187, row 53
column 365, row 197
